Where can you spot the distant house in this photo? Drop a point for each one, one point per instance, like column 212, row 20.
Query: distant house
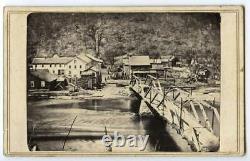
column 90, row 78
column 126, row 68
column 123, row 63
column 169, row 61
column 121, row 60
column 156, row 63
column 44, row 80
column 203, row 74
column 140, row 66
column 157, row 67
column 70, row 67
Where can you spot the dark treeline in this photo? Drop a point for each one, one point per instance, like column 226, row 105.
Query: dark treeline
column 107, row 35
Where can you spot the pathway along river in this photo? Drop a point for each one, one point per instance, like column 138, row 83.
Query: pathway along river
column 49, row 122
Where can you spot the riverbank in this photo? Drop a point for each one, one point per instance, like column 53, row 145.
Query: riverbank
column 110, row 90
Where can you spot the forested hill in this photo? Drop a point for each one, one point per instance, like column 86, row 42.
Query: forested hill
column 109, row 35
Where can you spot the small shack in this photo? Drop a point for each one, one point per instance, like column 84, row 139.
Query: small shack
column 140, row 65
column 157, row 67
column 91, row 78
column 42, row 79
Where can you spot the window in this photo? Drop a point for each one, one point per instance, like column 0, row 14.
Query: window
column 69, row 66
column 42, row 83
column 61, row 72
column 60, row 65
column 75, row 66
column 53, row 72
column 42, row 65
column 80, row 66
column 74, row 61
column 32, row 84
column 69, row 72
column 50, row 65
column 35, row 66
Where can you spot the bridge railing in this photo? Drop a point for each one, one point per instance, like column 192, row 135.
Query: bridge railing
column 179, row 108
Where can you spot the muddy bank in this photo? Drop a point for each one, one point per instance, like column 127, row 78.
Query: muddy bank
column 108, row 91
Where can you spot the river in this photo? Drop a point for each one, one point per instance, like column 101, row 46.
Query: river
column 49, row 122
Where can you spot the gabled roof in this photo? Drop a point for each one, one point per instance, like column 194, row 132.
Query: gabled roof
column 121, row 57
column 121, row 60
column 84, row 58
column 60, row 60
column 88, row 58
column 94, row 58
column 44, row 74
column 90, row 71
column 139, row 60
column 64, row 60
column 92, row 68
column 52, row 60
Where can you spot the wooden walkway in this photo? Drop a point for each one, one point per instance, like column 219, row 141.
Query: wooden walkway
column 187, row 115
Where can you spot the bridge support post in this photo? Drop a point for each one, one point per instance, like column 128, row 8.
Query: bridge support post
column 135, row 102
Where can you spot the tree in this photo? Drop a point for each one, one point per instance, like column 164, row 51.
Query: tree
column 95, row 30
column 113, row 34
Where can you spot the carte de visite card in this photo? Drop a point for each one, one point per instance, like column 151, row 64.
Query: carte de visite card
column 124, row 81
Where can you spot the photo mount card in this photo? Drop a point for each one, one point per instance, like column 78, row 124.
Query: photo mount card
column 92, row 81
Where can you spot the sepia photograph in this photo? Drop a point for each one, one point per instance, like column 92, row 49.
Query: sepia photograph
column 131, row 81
column 123, row 82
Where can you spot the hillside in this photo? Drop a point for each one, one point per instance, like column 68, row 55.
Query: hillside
column 107, row 35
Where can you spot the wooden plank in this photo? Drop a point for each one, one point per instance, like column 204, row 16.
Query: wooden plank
column 181, row 115
column 195, row 139
column 205, row 117
column 183, row 91
column 159, row 85
column 152, row 77
column 163, row 98
column 148, row 91
column 178, row 94
column 217, row 115
column 194, row 111
column 153, row 82
column 154, row 97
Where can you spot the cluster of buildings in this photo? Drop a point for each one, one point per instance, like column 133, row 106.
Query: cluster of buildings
column 84, row 70
column 59, row 73
column 143, row 65
column 162, row 67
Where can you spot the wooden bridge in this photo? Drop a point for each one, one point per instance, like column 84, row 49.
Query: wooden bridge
column 184, row 113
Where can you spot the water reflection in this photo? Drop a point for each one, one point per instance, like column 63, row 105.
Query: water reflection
column 155, row 127
column 159, row 138
column 52, row 118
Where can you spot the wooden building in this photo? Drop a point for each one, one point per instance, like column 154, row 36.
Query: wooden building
column 91, row 78
column 43, row 80
column 140, row 66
